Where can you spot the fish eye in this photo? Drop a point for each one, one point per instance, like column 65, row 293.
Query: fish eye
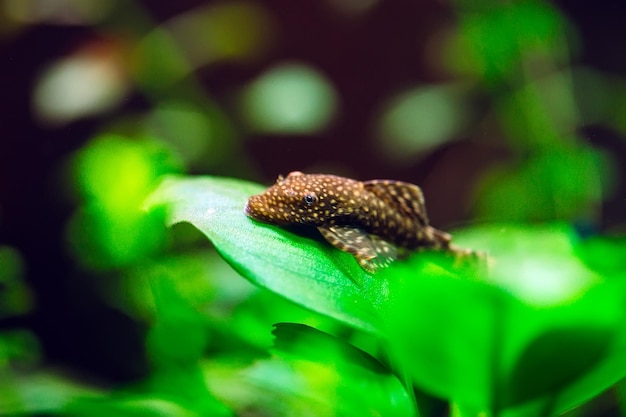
column 309, row 199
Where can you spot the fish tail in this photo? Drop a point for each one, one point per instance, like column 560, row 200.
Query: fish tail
column 439, row 238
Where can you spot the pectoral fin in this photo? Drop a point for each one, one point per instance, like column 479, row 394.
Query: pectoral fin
column 370, row 251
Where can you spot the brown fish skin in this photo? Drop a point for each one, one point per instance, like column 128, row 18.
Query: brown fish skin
column 371, row 219
column 328, row 202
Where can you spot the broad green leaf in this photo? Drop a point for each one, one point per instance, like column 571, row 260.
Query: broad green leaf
column 301, row 341
column 312, row 373
column 442, row 328
column 355, row 383
column 302, row 269
column 541, row 327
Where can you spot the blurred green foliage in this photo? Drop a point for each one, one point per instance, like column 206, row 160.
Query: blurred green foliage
column 541, row 328
column 536, row 333
column 16, row 298
column 422, row 118
column 563, row 183
column 114, row 175
column 273, row 103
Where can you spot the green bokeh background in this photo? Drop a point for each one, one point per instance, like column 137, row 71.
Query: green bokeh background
column 509, row 115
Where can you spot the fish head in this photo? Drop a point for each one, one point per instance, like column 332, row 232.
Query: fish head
column 307, row 199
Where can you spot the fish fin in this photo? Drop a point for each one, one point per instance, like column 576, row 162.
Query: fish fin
column 439, row 238
column 370, row 251
column 405, row 197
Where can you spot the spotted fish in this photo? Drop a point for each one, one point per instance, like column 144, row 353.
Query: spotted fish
column 376, row 221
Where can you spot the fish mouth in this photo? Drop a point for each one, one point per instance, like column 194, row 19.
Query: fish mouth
column 249, row 209
column 252, row 210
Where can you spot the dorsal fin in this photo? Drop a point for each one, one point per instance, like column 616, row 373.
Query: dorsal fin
column 405, row 197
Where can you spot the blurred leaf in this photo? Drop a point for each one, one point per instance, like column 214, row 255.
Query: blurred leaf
column 540, row 114
column 418, row 120
column 113, row 175
column 196, row 129
column 117, row 171
column 235, row 31
column 11, row 265
column 15, row 296
column 441, row 328
column 306, row 271
column 540, row 328
column 296, row 340
column 175, row 344
column 563, row 183
column 339, row 376
column 41, row 393
column 289, row 99
column 179, row 336
column 595, row 95
column 159, row 61
column 18, row 348
column 568, row 354
column 186, row 128
column 210, row 285
column 605, row 254
column 253, row 317
column 237, row 314
column 99, row 240
column 84, row 84
column 499, row 36
column 314, row 374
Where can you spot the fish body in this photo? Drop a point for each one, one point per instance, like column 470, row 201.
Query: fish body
column 376, row 221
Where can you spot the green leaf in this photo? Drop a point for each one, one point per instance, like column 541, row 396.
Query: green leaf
column 361, row 385
column 442, row 329
column 541, row 327
column 314, row 373
column 302, row 341
column 302, row 269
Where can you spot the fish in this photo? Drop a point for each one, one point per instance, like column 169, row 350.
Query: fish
column 376, row 221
